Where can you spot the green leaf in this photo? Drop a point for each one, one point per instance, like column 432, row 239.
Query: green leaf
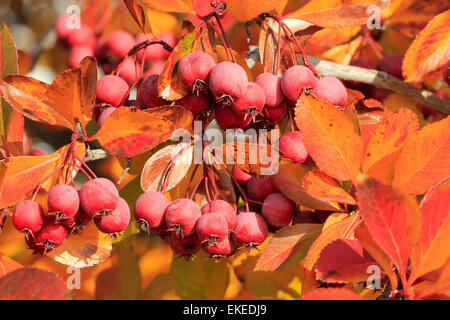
column 8, row 65
column 201, row 278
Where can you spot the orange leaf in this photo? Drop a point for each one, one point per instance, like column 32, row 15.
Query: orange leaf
column 329, row 137
column 424, row 160
column 430, row 51
column 137, row 12
column 342, row 261
column 182, row 6
column 7, row 264
column 287, row 246
column 33, row 284
column 323, row 187
column 431, row 250
column 384, row 145
column 15, row 134
column 250, row 9
column 333, row 232
column 128, row 132
column 331, row 294
column 392, row 218
column 179, row 116
column 337, row 14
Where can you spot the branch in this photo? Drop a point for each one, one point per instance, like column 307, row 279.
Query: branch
column 96, row 154
column 381, row 80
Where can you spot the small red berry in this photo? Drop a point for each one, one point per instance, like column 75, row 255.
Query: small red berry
column 391, row 64
column 292, row 147
column 251, row 229
column 63, row 28
column 149, row 210
column 241, row 176
column 185, row 247
column 271, row 85
column 227, row 118
column 119, row 44
column 276, row 113
column 51, row 236
column 182, row 216
column 259, row 188
column 305, row 217
column 251, row 102
column 331, row 90
column 28, row 216
column 83, row 36
column 228, row 79
column 212, row 228
column 195, row 103
column 104, row 115
column 156, row 51
column 111, row 90
column 63, row 202
column 221, row 249
column 115, row 222
column 77, row 223
column 99, row 196
column 148, row 93
column 295, row 79
column 224, row 208
column 77, row 54
column 194, row 70
column 129, row 70
column 278, row 210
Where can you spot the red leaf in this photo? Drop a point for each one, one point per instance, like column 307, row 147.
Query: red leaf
column 321, row 186
column 329, row 137
column 331, row 294
column 33, row 284
column 128, row 132
column 432, row 250
column 343, row 261
column 392, row 218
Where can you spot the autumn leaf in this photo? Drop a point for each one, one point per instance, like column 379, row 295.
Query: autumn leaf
column 137, row 12
column 431, row 250
column 86, row 249
column 128, row 132
column 383, row 147
column 424, row 160
column 430, row 51
column 321, row 186
column 7, row 264
column 8, row 65
column 343, row 260
column 442, row 285
column 287, row 246
column 167, row 167
column 335, row 231
column 181, row 6
column 179, row 116
column 249, row 9
column 331, row 294
column 329, row 137
column 392, row 218
column 33, row 284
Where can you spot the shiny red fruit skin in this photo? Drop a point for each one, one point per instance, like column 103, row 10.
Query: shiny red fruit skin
column 182, row 216
column 28, row 216
column 98, row 195
column 195, row 66
column 224, row 208
column 331, row 90
column 271, row 85
column 212, row 225
column 278, row 210
column 111, row 90
column 228, row 79
column 251, row 229
column 276, row 113
column 63, row 199
column 295, row 79
column 150, row 208
column 115, row 222
column 292, row 147
column 259, row 188
column 51, row 236
column 251, row 102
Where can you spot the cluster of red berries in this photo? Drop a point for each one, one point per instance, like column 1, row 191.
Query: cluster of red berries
column 69, row 210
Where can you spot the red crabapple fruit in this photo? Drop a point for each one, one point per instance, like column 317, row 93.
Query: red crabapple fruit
column 251, row 102
column 149, row 210
column 51, row 236
column 28, row 216
column 119, row 43
column 62, row 28
column 276, row 113
column 305, row 217
column 224, row 208
column 271, row 85
column 115, row 222
column 240, row 176
column 212, row 228
column 148, row 93
column 111, row 90
column 129, row 71
column 77, row 54
column 195, row 103
column 194, row 69
column 228, row 79
column 221, row 249
column 104, row 115
column 84, row 36
column 156, row 51
column 99, row 196
column 227, row 118
column 251, row 229
column 77, row 223
column 185, row 247
column 292, row 147
column 295, row 79
column 31, row 243
column 63, row 202
column 331, row 90
column 391, row 64
column 278, row 210
column 182, row 216
column 362, row 63
column 259, row 188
